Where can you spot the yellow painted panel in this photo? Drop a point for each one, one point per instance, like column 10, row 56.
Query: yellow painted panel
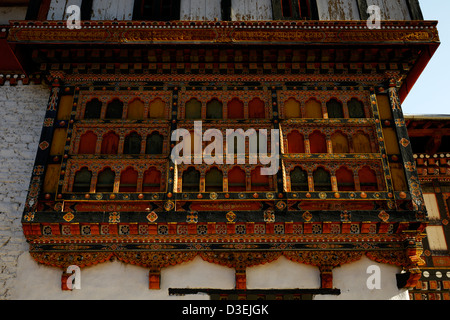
column 398, row 177
column 58, row 142
column 384, row 107
column 136, row 110
column 292, row 109
column 313, row 109
column 51, row 178
column 391, row 141
column 156, row 110
column 340, row 143
column 361, row 143
column 65, row 108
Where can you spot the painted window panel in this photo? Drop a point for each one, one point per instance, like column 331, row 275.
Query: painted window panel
column 322, row 180
column 236, row 180
column 318, row 142
column 235, row 109
column 193, row 109
column 299, row 180
column 313, row 109
column 335, row 109
column 93, row 109
column 356, row 109
column 259, row 182
column 155, row 143
column 296, row 142
column 128, row 180
column 191, row 180
column 256, row 109
column 157, row 109
column 114, row 110
column 292, row 109
column 340, row 143
column 88, row 143
column 82, row 181
column 345, row 179
column 136, row 110
column 152, row 180
column 110, row 143
column 132, row 144
column 105, row 181
column 361, row 143
column 214, row 109
column 367, row 179
column 214, row 180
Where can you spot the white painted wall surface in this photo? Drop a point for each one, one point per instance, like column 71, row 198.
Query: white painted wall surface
column 338, row 9
column 250, row 10
column 283, row 274
column 201, row 10
column 22, row 110
column 392, row 9
column 211, row 9
column 116, row 280
column 111, row 10
column 351, row 279
column 58, row 9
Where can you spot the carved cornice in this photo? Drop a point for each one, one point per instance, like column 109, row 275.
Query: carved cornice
column 280, row 32
column 239, row 260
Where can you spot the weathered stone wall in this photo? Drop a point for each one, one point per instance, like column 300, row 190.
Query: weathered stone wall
column 22, row 110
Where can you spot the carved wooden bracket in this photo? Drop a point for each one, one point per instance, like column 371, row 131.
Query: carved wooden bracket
column 326, row 261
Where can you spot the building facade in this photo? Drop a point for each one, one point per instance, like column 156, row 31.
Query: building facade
column 430, row 141
column 317, row 87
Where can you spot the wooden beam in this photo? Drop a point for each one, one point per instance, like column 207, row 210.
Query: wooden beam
column 362, row 6
column 428, row 132
column 414, row 9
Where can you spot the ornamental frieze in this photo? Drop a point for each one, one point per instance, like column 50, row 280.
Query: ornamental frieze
column 226, row 32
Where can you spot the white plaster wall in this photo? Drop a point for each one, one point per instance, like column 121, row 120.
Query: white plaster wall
column 251, row 10
column 208, row 10
column 116, row 280
column 351, row 279
column 392, row 9
column 348, row 9
column 12, row 13
column 58, row 8
column 22, row 110
column 338, row 9
column 112, row 10
column 283, row 274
